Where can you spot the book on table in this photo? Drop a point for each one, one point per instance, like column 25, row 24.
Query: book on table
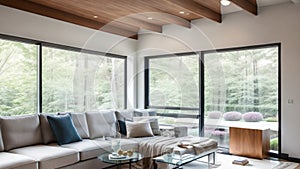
column 241, row 161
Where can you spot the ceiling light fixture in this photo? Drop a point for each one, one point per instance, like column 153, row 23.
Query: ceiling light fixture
column 149, row 18
column 225, row 2
column 95, row 16
column 181, row 12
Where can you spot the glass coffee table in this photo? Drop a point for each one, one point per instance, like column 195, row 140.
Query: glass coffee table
column 179, row 161
column 119, row 161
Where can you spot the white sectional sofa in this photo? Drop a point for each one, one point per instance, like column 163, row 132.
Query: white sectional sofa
column 28, row 141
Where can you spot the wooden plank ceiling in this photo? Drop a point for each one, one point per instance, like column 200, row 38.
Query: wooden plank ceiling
column 127, row 17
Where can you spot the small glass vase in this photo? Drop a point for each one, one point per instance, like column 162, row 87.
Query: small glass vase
column 115, row 145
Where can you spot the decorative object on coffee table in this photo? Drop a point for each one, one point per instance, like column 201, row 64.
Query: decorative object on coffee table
column 119, row 160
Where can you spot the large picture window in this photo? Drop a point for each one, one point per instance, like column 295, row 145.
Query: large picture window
column 76, row 81
column 211, row 91
column 40, row 77
column 18, row 78
column 241, row 89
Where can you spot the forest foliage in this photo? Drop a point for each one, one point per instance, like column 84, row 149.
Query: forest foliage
column 239, row 80
column 242, row 80
column 71, row 81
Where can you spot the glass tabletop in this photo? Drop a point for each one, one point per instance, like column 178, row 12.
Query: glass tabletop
column 176, row 159
column 109, row 158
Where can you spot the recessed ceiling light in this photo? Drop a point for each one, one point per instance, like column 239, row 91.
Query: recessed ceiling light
column 149, row 18
column 181, row 12
column 225, row 2
column 95, row 16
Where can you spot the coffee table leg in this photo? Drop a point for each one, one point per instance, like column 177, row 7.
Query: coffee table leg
column 154, row 165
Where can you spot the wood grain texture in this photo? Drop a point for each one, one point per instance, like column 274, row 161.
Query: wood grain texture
column 122, row 29
column 248, row 5
column 128, row 15
column 253, row 143
column 197, row 9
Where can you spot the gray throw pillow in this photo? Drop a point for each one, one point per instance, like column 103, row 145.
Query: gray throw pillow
column 47, row 133
column 20, row 131
column 101, row 123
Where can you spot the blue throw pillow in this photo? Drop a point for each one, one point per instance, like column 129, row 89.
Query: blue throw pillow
column 122, row 127
column 63, row 129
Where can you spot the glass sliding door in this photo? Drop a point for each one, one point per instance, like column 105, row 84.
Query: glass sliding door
column 18, row 78
column 173, row 90
column 241, row 88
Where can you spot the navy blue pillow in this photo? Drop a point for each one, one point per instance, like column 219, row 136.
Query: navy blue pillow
column 122, row 127
column 63, row 129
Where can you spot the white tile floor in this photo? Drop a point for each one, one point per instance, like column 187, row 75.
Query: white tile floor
column 225, row 162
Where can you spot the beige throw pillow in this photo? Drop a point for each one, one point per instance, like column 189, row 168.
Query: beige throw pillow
column 151, row 115
column 138, row 129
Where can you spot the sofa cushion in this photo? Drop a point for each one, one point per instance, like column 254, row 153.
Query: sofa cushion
column 81, row 125
column 20, row 131
column 121, row 116
column 47, row 133
column 153, row 121
column 49, row 157
column 101, row 123
column 88, row 148
column 11, row 160
column 138, row 129
column 124, row 114
column 63, row 129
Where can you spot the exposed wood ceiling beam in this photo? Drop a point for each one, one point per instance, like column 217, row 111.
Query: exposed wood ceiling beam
column 140, row 23
column 119, row 31
column 60, row 15
column 214, row 5
column 167, row 18
column 146, row 7
column 127, row 17
column 247, row 5
column 197, row 9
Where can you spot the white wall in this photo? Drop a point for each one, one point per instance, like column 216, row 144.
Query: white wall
column 274, row 24
column 27, row 25
column 279, row 23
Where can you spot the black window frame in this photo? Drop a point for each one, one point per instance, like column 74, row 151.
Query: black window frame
column 202, row 84
column 260, row 46
column 41, row 44
column 174, row 115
